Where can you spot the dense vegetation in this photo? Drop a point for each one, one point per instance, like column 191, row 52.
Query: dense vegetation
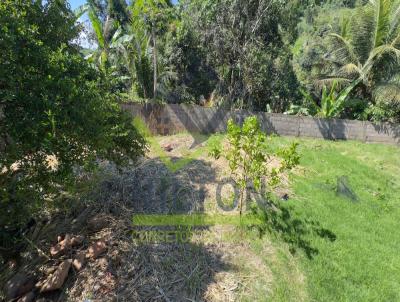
column 337, row 58
column 61, row 116
column 56, row 112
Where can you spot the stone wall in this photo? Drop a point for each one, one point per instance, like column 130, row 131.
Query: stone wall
column 174, row 118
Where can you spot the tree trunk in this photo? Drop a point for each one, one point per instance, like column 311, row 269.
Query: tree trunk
column 153, row 34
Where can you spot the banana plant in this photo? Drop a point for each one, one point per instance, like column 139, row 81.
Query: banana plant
column 332, row 103
column 134, row 53
column 102, row 29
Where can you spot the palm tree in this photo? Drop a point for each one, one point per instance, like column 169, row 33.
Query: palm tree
column 105, row 19
column 133, row 49
column 147, row 14
column 367, row 51
column 134, row 52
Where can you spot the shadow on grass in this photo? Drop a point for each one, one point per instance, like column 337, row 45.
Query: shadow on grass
column 295, row 231
column 172, row 272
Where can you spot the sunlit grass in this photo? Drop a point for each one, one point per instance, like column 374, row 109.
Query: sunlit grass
column 363, row 263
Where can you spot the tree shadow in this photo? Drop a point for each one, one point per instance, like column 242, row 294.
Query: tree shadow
column 166, row 271
column 331, row 129
column 155, row 188
column 174, row 272
column 184, row 191
column 389, row 129
column 297, row 232
column 167, row 120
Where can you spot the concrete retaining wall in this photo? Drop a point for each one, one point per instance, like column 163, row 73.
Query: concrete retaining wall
column 174, row 118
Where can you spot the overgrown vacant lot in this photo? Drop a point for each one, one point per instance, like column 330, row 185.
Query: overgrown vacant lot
column 250, row 218
column 325, row 247
column 313, row 246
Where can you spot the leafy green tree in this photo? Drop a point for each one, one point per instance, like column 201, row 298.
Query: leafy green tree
column 115, row 10
column 54, row 113
column 106, row 18
column 247, row 45
column 136, row 51
column 319, row 20
column 195, row 76
column 104, row 27
column 249, row 159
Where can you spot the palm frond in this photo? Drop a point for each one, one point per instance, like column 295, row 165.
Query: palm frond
column 362, row 31
column 394, row 31
column 329, row 82
column 370, row 56
column 382, row 20
column 342, row 49
column 78, row 12
column 90, row 57
column 396, row 41
column 345, row 27
column 97, row 27
column 349, row 71
column 377, row 54
column 109, row 25
column 387, row 93
column 103, row 58
column 117, row 34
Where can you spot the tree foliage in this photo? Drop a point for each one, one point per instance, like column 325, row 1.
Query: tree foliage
column 257, row 54
column 130, row 49
column 246, row 45
column 54, row 111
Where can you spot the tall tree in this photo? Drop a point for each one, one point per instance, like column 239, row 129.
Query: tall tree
column 134, row 57
column 152, row 15
column 111, row 9
column 105, row 18
column 247, row 43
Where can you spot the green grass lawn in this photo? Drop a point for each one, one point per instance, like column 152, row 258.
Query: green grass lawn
column 331, row 248
column 363, row 263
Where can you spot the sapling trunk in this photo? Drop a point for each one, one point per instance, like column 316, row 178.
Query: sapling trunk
column 241, row 202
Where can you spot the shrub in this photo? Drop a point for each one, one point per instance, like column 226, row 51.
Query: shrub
column 249, row 158
column 54, row 111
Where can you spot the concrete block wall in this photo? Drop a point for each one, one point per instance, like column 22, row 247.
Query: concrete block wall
column 175, row 118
